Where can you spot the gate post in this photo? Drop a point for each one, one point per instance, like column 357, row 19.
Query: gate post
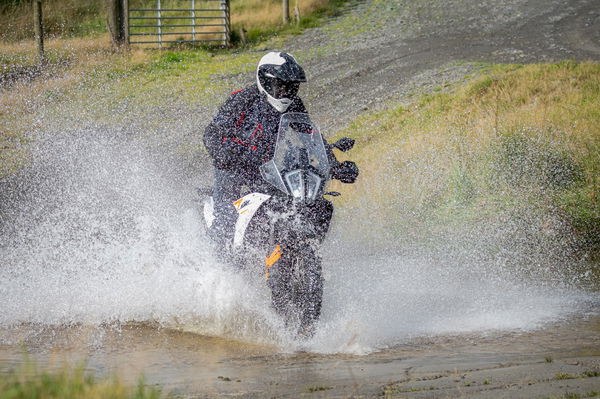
column 117, row 21
column 39, row 29
column 227, row 23
column 125, row 22
column 159, row 23
column 286, row 11
column 194, row 21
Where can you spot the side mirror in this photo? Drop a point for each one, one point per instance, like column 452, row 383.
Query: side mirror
column 344, row 144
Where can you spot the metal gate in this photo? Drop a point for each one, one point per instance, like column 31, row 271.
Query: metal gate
column 180, row 21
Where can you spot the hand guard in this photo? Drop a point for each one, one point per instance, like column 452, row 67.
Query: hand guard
column 346, row 172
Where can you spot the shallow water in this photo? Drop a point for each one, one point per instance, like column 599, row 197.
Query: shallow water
column 186, row 363
column 97, row 232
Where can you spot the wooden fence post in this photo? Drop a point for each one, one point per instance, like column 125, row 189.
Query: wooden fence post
column 117, row 21
column 125, row 21
column 286, row 11
column 39, row 28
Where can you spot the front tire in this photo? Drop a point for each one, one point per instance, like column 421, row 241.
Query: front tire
column 296, row 287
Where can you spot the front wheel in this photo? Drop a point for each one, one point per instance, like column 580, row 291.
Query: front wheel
column 297, row 287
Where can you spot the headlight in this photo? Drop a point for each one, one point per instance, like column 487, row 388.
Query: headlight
column 313, row 182
column 295, row 182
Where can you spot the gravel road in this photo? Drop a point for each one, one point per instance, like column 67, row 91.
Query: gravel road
column 385, row 49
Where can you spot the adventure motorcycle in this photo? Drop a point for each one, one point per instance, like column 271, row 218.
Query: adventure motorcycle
column 282, row 224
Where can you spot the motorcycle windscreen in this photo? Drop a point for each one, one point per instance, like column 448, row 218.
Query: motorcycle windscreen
column 299, row 146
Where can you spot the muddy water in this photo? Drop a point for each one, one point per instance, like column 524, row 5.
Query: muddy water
column 195, row 365
column 109, row 245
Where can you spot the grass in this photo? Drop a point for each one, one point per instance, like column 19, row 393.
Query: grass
column 318, row 388
column 62, row 18
column 573, row 395
column 564, row 376
column 585, row 374
column 261, row 19
column 518, row 139
column 29, row 382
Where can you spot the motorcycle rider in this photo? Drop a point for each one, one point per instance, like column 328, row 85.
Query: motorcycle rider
column 242, row 136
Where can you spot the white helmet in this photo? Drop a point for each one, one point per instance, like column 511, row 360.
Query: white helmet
column 279, row 76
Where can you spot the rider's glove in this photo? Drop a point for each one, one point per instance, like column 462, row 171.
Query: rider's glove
column 346, row 172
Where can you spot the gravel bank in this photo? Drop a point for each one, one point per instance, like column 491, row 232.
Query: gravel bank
column 386, row 49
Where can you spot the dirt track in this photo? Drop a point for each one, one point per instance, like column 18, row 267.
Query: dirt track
column 386, row 49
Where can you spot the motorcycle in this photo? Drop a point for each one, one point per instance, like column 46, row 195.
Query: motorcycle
column 283, row 223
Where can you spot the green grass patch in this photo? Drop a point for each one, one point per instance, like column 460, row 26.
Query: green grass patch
column 65, row 18
column 565, row 376
column 585, row 374
column 29, row 382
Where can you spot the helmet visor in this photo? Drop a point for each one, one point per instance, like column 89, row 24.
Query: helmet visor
column 280, row 89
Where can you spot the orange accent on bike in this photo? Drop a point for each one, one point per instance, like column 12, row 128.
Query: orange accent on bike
column 271, row 259
column 238, row 203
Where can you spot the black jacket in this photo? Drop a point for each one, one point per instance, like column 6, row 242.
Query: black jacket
column 242, row 135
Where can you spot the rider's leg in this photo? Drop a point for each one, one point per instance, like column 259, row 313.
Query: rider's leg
column 226, row 190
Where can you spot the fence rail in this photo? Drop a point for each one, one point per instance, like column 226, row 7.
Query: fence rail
column 171, row 25
column 174, row 26
column 174, row 9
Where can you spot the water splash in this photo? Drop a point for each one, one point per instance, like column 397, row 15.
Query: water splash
column 101, row 230
column 96, row 232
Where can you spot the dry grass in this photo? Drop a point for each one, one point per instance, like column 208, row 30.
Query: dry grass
column 252, row 14
column 517, row 136
column 61, row 18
